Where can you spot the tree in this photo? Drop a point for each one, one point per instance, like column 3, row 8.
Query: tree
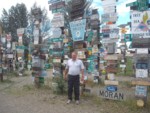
column 16, row 17
column 43, row 19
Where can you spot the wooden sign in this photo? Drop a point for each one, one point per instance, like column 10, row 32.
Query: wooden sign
column 110, row 82
column 111, row 95
column 141, row 82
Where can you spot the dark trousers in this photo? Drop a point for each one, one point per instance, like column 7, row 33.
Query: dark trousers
column 73, row 84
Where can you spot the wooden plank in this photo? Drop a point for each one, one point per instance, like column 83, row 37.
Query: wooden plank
column 141, row 82
column 109, row 82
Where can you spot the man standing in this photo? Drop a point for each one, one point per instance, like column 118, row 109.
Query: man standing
column 73, row 68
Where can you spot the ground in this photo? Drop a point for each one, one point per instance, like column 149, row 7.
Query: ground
column 20, row 96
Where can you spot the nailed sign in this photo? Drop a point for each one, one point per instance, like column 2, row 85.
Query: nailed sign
column 78, row 29
column 111, row 95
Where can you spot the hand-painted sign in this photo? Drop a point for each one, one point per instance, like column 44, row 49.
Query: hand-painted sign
column 140, row 24
column 78, row 29
column 111, row 95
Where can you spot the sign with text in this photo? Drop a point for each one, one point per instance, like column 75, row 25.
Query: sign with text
column 58, row 20
column 111, row 95
column 142, row 5
column 141, row 91
column 127, row 37
column 140, row 22
column 109, row 17
column 78, row 29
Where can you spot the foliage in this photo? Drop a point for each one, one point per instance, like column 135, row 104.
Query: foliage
column 15, row 18
column 61, row 84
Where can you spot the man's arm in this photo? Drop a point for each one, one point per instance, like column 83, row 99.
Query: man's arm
column 66, row 73
column 82, row 73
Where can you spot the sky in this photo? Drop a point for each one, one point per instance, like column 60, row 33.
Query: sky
column 122, row 10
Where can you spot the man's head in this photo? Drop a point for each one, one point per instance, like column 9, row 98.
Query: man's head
column 74, row 55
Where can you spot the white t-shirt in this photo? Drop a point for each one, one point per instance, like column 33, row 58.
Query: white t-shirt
column 74, row 67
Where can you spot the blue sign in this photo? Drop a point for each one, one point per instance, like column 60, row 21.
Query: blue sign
column 111, row 88
column 78, row 29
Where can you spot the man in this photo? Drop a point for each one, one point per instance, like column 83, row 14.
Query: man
column 73, row 68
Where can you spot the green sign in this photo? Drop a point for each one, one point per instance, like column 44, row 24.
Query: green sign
column 55, row 40
column 90, row 35
column 21, row 47
column 58, row 10
column 47, row 66
column 142, row 5
column 132, row 4
column 127, row 37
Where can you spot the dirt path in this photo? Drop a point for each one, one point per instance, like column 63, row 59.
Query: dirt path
column 20, row 96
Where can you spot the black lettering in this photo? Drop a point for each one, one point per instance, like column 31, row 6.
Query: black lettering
column 121, row 96
column 106, row 94
column 116, row 96
column 110, row 94
column 101, row 93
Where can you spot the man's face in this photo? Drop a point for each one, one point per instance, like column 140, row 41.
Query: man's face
column 74, row 56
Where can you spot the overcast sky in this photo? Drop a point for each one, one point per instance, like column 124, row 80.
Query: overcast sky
column 122, row 10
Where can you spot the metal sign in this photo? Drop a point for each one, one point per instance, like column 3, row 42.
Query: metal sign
column 109, row 17
column 111, row 95
column 141, row 91
column 78, row 29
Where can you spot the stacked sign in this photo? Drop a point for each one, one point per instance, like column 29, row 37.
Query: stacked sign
column 59, row 41
column 110, row 32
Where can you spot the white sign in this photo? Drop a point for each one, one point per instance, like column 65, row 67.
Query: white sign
column 108, row 3
column 142, row 51
column 56, row 32
column 109, row 17
column 110, row 9
column 8, row 45
column 58, row 20
column 141, row 73
column 20, row 31
column 122, row 65
column 140, row 22
column 94, row 17
column 36, row 36
column 9, row 55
